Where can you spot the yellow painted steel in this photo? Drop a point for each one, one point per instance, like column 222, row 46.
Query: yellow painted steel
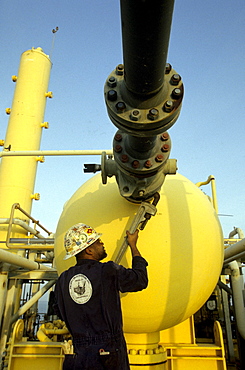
column 183, row 244
column 17, row 174
column 32, row 355
column 192, row 356
column 144, row 350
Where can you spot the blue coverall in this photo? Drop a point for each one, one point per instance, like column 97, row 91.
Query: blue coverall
column 88, row 300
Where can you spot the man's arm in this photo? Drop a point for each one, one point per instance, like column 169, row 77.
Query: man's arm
column 132, row 279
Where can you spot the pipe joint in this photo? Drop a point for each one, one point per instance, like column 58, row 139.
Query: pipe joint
column 151, row 115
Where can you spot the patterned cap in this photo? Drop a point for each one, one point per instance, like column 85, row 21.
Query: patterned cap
column 78, row 238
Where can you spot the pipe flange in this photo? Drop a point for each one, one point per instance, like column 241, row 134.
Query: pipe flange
column 151, row 115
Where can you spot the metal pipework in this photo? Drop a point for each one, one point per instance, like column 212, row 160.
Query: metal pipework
column 144, row 94
column 235, row 251
column 145, row 37
column 16, row 260
column 237, row 231
column 211, row 179
column 238, row 300
column 33, row 300
column 143, row 98
column 31, row 153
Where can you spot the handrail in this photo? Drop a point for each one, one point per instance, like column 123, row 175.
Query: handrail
column 53, row 152
column 11, row 245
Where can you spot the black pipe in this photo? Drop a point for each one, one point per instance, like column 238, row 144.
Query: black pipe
column 146, row 28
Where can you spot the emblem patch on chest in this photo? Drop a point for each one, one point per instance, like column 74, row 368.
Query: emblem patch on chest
column 80, row 289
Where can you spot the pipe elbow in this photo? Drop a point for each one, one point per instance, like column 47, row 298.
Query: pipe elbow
column 42, row 337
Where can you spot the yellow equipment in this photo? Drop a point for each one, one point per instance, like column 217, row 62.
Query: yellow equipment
column 182, row 243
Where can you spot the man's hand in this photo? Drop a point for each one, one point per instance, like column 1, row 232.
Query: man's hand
column 132, row 242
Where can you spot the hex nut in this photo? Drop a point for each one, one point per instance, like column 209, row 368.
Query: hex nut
column 112, row 82
column 120, row 107
column 153, row 114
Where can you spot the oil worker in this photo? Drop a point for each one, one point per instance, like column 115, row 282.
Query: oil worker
column 88, row 300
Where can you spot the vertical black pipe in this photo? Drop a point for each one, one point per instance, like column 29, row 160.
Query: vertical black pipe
column 146, row 28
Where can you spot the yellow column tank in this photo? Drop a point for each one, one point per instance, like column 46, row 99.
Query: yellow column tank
column 17, row 174
column 182, row 243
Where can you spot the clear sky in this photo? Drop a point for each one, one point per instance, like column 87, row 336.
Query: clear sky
column 207, row 48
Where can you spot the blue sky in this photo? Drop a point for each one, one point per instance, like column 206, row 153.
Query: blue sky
column 207, row 48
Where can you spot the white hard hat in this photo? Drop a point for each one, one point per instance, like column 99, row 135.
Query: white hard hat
column 78, row 238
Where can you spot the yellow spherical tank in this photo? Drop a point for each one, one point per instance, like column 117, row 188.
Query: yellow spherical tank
column 182, row 243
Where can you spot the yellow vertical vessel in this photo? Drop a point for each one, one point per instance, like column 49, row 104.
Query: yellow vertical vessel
column 17, row 174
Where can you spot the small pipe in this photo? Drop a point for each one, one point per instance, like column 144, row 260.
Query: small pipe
column 233, row 258
column 56, row 331
column 237, row 289
column 41, row 336
column 224, row 287
column 13, row 259
column 236, row 231
column 43, row 333
column 211, row 179
column 53, row 152
column 33, row 300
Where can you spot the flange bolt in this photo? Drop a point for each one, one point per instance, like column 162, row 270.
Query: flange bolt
column 175, row 79
column 118, row 148
column 176, row 93
column 118, row 137
column 135, row 115
column 168, row 106
column 112, row 95
column 165, row 136
column 159, row 158
column 168, row 68
column 165, row 148
column 153, row 114
column 124, row 158
column 120, row 106
column 148, row 164
column 135, row 164
column 120, row 69
column 112, row 82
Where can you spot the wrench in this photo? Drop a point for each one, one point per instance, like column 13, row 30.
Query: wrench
column 144, row 213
